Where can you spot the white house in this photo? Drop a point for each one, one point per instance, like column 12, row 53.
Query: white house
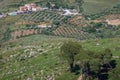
column 68, row 12
column 36, row 9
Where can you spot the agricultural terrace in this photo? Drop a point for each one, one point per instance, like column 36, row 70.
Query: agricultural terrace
column 72, row 32
column 21, row 33
column 41, row 16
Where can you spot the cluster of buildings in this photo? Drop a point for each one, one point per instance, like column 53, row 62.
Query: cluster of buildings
column 32, row 7
column 29, row 7
column 26, row 8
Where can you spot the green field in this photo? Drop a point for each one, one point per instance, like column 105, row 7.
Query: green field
column 96, row 6
column 19, row 64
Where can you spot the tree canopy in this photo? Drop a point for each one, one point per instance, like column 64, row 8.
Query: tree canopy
column 93, row 65
column 69, row 50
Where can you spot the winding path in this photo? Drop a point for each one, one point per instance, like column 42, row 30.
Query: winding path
column 80, row 77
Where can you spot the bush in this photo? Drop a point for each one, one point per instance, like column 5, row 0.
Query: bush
column 1, row 57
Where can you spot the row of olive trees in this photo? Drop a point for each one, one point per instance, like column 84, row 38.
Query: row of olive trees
column 92, row 65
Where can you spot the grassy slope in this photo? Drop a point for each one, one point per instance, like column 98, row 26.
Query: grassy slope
column 44, row 64
column 96, row 6
column 101, row 44
column 49, row 62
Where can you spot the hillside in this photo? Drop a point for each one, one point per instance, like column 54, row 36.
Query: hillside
column 37, row 58
column 89, row 6
column 32, row 33
column 96, row 6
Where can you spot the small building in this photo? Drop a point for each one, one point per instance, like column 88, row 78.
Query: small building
column 32, row 5
column 28, row 7
column 68, row 12
column 36, row 9
column 23, row 9
column 45, row 8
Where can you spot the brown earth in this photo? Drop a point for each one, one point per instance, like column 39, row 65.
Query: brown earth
column 78, row 21
column 21, row 33
column 80, row 77
column 66, row 31
column 113, row 22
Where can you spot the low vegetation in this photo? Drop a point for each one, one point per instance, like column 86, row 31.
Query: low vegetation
column 46, row 45
column 43, row 57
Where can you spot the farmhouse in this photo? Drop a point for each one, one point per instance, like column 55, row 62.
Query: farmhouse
column 29, row 7
column 23, row 9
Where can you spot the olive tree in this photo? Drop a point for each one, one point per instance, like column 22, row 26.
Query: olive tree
column 68, row 52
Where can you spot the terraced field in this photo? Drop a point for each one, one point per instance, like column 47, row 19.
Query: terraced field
column 37, row 57
column 21, row 33
column 78, row 21
column 72, row 32
column 41, row 16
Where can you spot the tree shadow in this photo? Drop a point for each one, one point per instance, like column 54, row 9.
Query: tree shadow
column 113, row 63
column 103, row 76
column 77, row 69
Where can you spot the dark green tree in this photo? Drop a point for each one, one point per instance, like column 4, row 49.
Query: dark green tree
column 48, row 4
column 106, row 57
column 83, row 59
column 68, row 52
column 114, row 74
column 7, row 34
column 79, row 5
column 95, row 65
column 1, row 62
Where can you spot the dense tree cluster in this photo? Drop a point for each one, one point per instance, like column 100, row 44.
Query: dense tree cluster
column 102, row 30
column 93, row 65
column 72, row 4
